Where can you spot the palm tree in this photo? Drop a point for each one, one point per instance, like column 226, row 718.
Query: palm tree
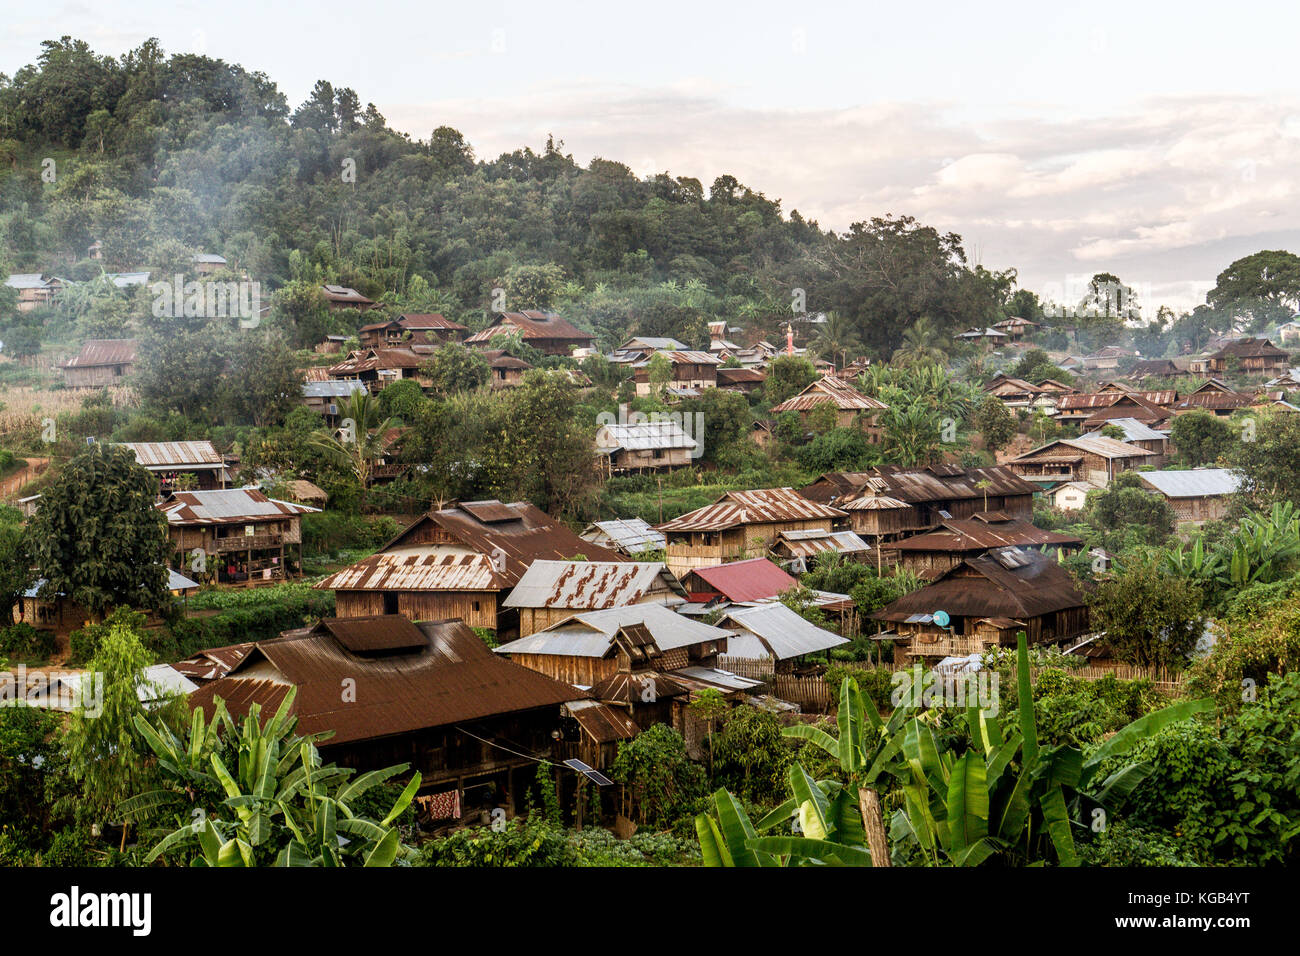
column 921, row 345
column 836, row 339
column 360, row 439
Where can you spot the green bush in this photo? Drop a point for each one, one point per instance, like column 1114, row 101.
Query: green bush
column 24, row 642
column 519, row 843
column 73, row 846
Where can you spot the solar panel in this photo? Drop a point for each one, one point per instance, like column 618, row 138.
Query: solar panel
column 595, row 776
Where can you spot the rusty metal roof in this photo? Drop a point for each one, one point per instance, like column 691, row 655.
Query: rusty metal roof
column 638, row 687
column 630, row 535
column 227, row 506
column 603, row 723
column 374, row 359
column 174, row 454
column 985, row 586
column 1093, row 443
column 833, row 391
column 1083, row 401
column 590, row 585
column 418, row 572
column 592, row 633
column 810, row 543
column 532, row 325
column 374, row 633
column 99, row 352
column 213, row 663
column 761, row 506
column 973, row 534
column 452, row 678
column 1250, row 348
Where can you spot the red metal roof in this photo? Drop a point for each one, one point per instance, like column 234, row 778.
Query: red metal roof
column 741, row 581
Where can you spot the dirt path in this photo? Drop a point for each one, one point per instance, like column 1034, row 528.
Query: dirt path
column 10, row 486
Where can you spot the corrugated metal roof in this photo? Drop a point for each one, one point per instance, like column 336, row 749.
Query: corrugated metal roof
column 603, row 723
column 1035, row 584
column 214, row 662
column 807, row 544
column 591, row 634
column 774, row 630
column 631, row 535
column 681, row 357
column 974, row 535
column 332, row 388
column 388, row 571
column 589, row 585
column 829, row 390
column 1135, row 430
column 532, row 325
column 452, row 679
column 1194, row 483
column 761, row 506
column 751, row 580
column 895, row 486
column 174, row 454
column 226, row 506
column 643, row 436
column 99, row 352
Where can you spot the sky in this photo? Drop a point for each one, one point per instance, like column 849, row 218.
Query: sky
column 1153, row 141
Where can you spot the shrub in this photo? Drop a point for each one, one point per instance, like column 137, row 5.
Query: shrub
column 24, row 642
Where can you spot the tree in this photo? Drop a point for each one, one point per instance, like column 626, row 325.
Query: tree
column 1150, row 617
column 837, row 340
column 262, row 384
column 1264, row 286
column 995, row 423
column 15, row 561
column 106, row 756
column 361, row 438
column 788, row 375
column 1124, row 506
column 1201, row 438
column 921, row 345
column 912, row 434
column 454, row 368
column 97, row 536
column 1270, row 465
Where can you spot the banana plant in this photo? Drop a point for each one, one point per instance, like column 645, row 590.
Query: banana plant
column 281, row 805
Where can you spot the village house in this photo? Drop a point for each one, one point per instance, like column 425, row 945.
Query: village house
column 986, row 600
column 425, row 328
column 630, row 536
column 756, row 581
column 988, row 337
column 504, row 370
column 643, row 446
column 799, row 550
column 1070, row 495
column 340, row 297
column 775, row 634
column 743, row 380
column 1115, row 402
column 1216, row 397
column 1128, row 405
column 100, row 362
column 552, row 591
column 35, row 290
column 61, row 614
column 890, row 502
column 718, row 341
column 326, row 397
column 690, row 370
column 1143, row 436
column 1199, row 494
column 378, row 368
column 1249, row 356
column 1017, row 393
column 1155, row 368
column 235, row 535
column 848, row 403
column 187, row 465
column 740, row 524
column 206, row 263
column 431, row 695
column 459, row 562
column 1016, row 327
column 544, row 331
column 643, row 663
column 957, row 540
column 1106, row 358
column 1092, row 457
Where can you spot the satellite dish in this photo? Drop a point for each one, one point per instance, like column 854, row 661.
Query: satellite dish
column 941, row 618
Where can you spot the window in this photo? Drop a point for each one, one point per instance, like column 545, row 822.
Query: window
column 390, row 603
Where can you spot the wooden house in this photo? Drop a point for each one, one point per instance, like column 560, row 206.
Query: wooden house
column 34, row 289
column 1155, row 368
column 989, row 338
column 987, row 599
column 738, row 525
column 690, row 370
column 799, row 550
column 431, row 695
column 544, row 331
column 1216, row 397
column 100, row 362
column 326, row 397
column 207, row 263
column 1116, row 402
column 459, row 562
column 192, row 465
column 1142, row 436
column 1017, row 393
column 643, row 446
column 378, row 368
column 891, row 502
column 1016, row 327
column 743, row 380
column 426, row 328
column 1092, row 457
column 775, row 633
column 956, row 540
column 849, row 404
column 1106, row 358
column 1250, row 356
column 340, row 297
column 1199, row 494
column 553, row 591
column 504, row 370
column 243, row 536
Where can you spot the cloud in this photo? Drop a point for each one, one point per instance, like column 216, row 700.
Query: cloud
column 1158, row 194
